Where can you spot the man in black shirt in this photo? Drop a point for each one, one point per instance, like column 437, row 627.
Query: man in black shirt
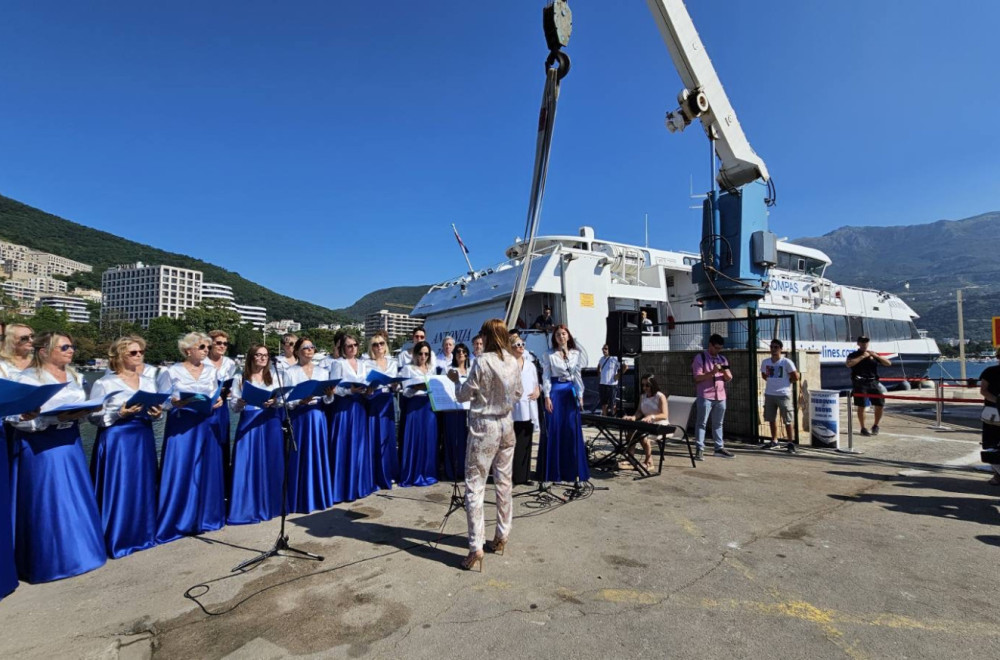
column 989, row 387
column 544, row 321
column 864, row 379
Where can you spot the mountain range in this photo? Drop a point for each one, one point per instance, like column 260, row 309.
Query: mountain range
column 935, row 259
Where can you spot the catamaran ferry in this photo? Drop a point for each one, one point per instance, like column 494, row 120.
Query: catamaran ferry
column 587, row 281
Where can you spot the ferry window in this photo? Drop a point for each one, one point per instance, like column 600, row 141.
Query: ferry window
column 914, row 333
column 814, row 267
column 877, row 330
column 830, row 325
column 804, row 327
column 855, row 327
column 841, row 334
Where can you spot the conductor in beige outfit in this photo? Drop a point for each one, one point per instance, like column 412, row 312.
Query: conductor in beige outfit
column 492, row 388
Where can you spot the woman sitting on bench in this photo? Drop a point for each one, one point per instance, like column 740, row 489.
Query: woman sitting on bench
column 652, row 410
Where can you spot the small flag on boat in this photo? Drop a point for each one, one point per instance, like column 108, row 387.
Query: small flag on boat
column 459, row 239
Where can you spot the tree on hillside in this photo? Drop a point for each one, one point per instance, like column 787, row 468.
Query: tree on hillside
column 212, row 314
column 47, row 319
column 161, row 339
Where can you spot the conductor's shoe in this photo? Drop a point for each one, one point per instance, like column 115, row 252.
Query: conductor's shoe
column 699, row 454
column 723, row 453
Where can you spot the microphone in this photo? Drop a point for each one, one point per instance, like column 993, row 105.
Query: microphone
column 274, row 359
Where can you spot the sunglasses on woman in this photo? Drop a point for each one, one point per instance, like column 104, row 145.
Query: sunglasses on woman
column 518, row 344
column 66, row 347
column 25, row 339
column 378, row 343
column 136, row 353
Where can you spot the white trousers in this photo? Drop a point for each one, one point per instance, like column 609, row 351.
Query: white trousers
column 490, row 445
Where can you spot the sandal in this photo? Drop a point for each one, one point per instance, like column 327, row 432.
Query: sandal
column 471, row 560
column 496, row 546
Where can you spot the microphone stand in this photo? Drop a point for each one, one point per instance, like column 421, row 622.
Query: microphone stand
column 281, row 543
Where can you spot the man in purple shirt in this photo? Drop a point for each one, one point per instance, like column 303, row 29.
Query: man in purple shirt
column 711, row 373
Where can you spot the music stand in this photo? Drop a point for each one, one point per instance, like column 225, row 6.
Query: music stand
column 457, row 500
column 281, row 543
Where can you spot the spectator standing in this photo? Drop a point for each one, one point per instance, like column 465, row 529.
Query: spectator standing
column 864, row 380
column 711, row 373
column 611, row 370
column 778, row 373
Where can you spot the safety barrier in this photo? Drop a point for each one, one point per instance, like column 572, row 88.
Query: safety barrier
column 938, row 399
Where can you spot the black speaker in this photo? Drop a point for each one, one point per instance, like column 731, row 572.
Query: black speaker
column 631, row 341
column 624, row 335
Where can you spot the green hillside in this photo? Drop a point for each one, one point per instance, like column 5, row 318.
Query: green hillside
column 26, row 225
column 397, row 297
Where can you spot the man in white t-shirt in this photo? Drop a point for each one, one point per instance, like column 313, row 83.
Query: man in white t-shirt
column 611, row 370
column 779, row 373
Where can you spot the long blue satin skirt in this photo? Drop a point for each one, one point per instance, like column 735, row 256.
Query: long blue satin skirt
column 382, row 431
column 562, row 454
column 192, row 491
column 310, row 483
column 419, row 463
column 353, row 459
column 456, row 432
column 57, row 532
column 123, row 467
column 258, row 467
column 222, row 425
column 8, row 569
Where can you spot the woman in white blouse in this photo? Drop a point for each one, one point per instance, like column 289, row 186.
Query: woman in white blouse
column 420, row 433
column 382, row 413
column 57, row 532
column 15, row 356
column 563, row 455
column 309, row 474
column 353, row 458
column 525, row 410
column 225, row 369
column 123, row 464
column 454, row 424
column 258, row 452
column 192, row 489
column 15, row 353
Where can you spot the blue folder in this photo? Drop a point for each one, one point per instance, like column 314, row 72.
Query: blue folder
column 90, row 405
column 258, row 396
column 22, row 397
column 310, row 388
column 198, row 402
column 147, row 399
column 379, row 379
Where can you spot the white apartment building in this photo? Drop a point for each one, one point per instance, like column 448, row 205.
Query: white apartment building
column 21, row 260
column 394, row 324
column 142, row 292
column 75, row 308
column 283, row 326
column 213, row 291
column 250, row 314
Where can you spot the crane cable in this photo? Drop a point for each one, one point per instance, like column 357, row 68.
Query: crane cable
column 556, row 68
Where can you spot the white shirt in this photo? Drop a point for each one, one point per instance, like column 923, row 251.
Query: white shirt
column 112, row 407
column 608, row 366
column 8, row 370
column 526, row 410
column 410, row 371
column 444, row 361
column 176, row 379
column 555, row 368
column 72, row 393
column 235, row 403
column 342, row 369
column 283, row 364
column 778, row 374
column 226, row 368
column 406, row 357
column 296, row 374
column 650, row 405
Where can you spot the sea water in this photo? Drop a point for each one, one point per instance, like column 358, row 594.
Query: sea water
column 953, row 369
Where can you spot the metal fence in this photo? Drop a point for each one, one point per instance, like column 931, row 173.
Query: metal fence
column 746, row 345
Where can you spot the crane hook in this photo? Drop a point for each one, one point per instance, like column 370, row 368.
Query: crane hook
column 563, row 61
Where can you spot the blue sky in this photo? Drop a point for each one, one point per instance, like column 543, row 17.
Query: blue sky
column 324, row 148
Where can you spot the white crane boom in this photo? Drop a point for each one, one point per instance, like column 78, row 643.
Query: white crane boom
column 704, row 97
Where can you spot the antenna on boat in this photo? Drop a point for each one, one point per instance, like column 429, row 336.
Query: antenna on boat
column 465, row 250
